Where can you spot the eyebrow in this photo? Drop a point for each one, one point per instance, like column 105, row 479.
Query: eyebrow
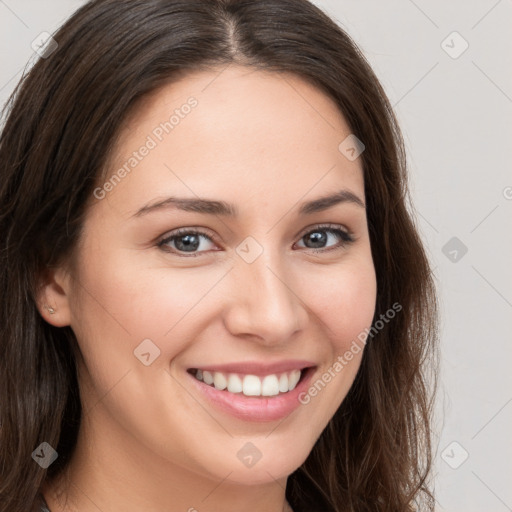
column 212, row 207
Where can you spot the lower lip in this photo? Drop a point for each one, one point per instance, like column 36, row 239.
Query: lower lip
column 255, row 408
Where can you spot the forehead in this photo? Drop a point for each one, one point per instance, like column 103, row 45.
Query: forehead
column 239, row 86
column 235, row 132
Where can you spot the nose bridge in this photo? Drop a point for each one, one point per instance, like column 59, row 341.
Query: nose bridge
column 264, row 301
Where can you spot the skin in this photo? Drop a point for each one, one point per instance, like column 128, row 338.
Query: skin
column 264, row 142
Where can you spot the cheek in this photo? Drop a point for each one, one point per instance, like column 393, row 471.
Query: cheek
column 119, row 290
column 121, row 303
column 343, row 305
column 343, row 299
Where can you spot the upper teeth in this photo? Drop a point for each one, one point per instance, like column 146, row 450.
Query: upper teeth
column 251, row 385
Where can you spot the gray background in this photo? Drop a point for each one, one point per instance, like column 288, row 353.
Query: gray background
column 455, row 111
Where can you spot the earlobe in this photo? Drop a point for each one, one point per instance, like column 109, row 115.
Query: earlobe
column 53, row 297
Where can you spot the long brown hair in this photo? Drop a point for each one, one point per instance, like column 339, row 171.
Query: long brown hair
column 61, row 124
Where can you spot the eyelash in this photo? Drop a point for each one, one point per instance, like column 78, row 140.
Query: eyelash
column 346, row 239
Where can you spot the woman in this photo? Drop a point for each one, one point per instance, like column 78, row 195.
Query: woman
column 214, row 296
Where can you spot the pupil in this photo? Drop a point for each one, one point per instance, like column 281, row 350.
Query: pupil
column 318, row 238
column 187, row 242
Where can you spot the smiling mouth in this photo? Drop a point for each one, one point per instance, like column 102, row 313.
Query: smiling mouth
column 249, row 385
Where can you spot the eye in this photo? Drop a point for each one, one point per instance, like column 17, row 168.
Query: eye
column 316, row 238
column 184, row 240
column 188, row 240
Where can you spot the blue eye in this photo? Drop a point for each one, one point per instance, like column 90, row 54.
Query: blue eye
column 186, row 242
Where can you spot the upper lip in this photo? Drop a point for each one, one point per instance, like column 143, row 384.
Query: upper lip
column 258, row 368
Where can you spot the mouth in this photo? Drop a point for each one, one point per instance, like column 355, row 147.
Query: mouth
column 249, row 392
column 250, row 385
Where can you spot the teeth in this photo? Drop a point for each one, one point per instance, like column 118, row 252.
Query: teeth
column 251, row 385
column 283, row 383
column 270, row 386
column 219, row 381
column 294, row 379
column 234, row 384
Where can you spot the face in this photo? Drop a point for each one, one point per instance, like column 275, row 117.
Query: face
column 261, row 283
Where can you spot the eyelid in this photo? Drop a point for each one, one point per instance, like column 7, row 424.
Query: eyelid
column 187, row 230
column 326, row 225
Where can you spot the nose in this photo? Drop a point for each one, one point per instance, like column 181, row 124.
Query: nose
column 263, row 303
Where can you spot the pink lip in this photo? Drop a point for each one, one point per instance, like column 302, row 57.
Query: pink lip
column 255, row 408
column 259, row 369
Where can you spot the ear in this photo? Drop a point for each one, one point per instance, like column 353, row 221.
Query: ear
column 53, row 297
